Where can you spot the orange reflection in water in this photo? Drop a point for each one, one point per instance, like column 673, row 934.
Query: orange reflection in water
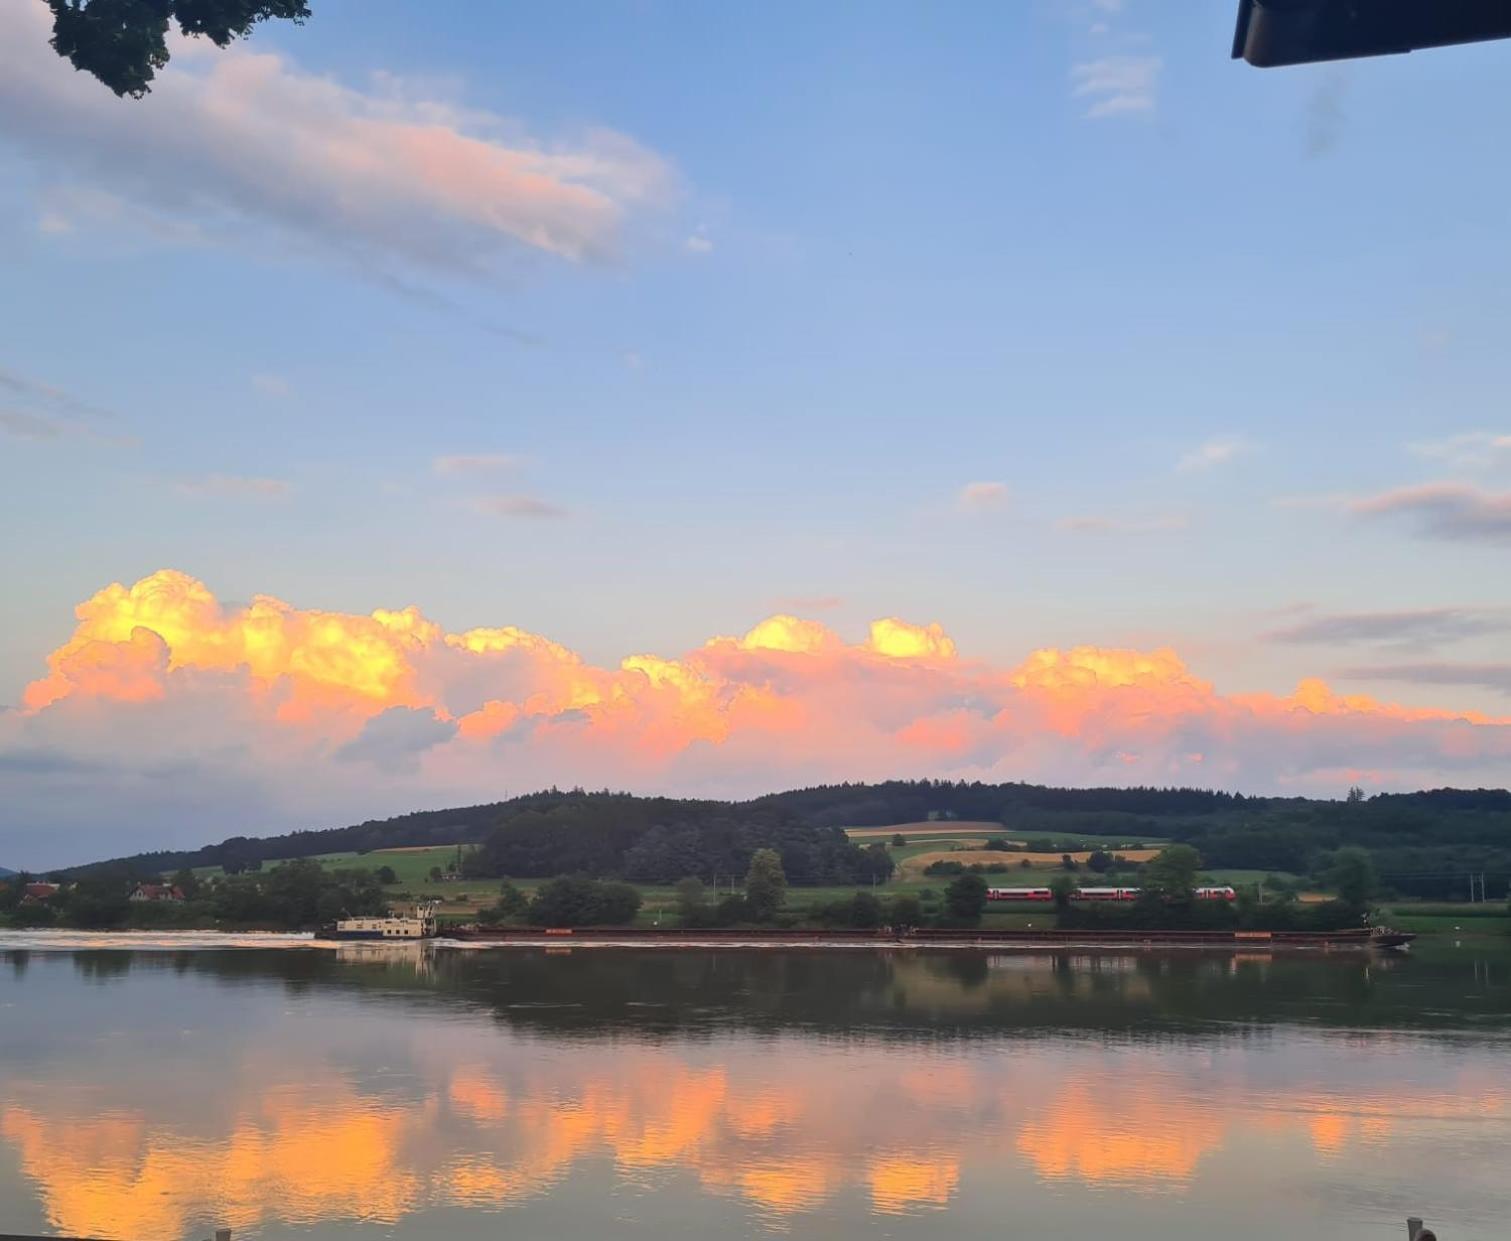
column 781, row 1133
column 1133, row 1137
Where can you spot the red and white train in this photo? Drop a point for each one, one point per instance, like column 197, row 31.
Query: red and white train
column 1044, row 895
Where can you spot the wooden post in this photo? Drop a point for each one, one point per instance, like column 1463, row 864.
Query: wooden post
column 1413, row 1226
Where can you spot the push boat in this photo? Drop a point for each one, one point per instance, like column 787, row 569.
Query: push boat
column 418, row 922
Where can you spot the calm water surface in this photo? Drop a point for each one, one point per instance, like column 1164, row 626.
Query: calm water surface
column 298, row 1092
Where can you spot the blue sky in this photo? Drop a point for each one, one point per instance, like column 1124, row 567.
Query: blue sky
column 1205, row 333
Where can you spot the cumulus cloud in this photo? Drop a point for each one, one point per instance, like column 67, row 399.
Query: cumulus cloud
column 1220, row 450
column 982, row 497
column 396, row 738
column 1452, row 511
column 240, row 139
column 162, row 692
column 1418, row 627
column 1117, row 85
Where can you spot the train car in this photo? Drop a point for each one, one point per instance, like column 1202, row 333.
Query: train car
column 1105, row 894
column 1216, row 894
column 1019, row 894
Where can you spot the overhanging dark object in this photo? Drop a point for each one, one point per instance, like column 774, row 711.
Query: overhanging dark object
column 1296, row 32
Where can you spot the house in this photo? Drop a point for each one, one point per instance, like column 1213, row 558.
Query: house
column 39, row 893
column 157, row 892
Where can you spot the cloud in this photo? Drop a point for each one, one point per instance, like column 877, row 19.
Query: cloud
column 1452, row 511
column 1117, row 85
column 1493, row 676
column 1220, row 450
column 165, row 702
column 35, row 392
column 272, row 385
column 517, row 506
column 30, row 426
column 1092, row 523
column 239, row 140
column 982, row 497
column 233, row 487
column 1421, row 627
column 396, row 738
column 698, row 244
column 474, row 463
column 1471, row 450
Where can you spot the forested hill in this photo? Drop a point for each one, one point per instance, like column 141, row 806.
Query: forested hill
column 1422, row 842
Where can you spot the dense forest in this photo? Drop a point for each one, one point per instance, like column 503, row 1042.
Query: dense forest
column 1423, row 844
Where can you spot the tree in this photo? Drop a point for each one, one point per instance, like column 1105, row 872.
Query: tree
column 1100, row 861
column 386, row 875
column 765, row 883
column 1062, row 888
column 899, row 840
column 905, row 911
column 1352, row 876
column 575, row 901
column 692, row 902
column 965, row 899
column 511, row 905
column 436, row 874
column 125, row 42
column 187, row 882
column 865, row 910
column 1355, row 795
column 1171, row 874
column 1067, row 862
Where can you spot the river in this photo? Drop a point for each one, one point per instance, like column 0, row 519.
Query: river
column 157, row 1091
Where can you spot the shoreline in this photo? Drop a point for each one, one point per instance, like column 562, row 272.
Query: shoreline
column 1051, row 942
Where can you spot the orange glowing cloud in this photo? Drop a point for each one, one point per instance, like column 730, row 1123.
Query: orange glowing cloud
column 790, row 701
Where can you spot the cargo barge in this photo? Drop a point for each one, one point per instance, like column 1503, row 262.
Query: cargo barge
column 1363, row 939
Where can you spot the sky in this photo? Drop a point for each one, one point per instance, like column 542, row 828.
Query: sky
column 711, row 399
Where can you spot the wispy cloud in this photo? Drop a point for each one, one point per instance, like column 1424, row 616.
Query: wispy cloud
column 1117, row 85
column 233, row 487
column 698, row 244
column 34, row 391
column 1219, row 450
column 982, row 497
column 517, row 506
column 1470, row 450
column 1453, row 511
column 30, row 426
column 475, row 463
column 388, row 172
column 1097, row 523
column 1419, row 627
column 1493, row 676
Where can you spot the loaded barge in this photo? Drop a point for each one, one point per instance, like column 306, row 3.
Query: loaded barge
column 1364, row 939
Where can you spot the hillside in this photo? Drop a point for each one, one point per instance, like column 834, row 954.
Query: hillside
column 1424, row 844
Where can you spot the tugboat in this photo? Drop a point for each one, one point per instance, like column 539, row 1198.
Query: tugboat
column 419, row 922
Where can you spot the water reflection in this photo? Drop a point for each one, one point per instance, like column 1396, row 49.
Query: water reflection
column 153, row 1097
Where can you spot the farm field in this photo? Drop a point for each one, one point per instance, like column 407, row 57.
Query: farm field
column 914, row 865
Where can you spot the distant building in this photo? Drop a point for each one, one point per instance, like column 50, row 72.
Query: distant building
column 157, row 892
column 39, row 893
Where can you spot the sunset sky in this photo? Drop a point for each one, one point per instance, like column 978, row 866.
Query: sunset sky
column 710, row 399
